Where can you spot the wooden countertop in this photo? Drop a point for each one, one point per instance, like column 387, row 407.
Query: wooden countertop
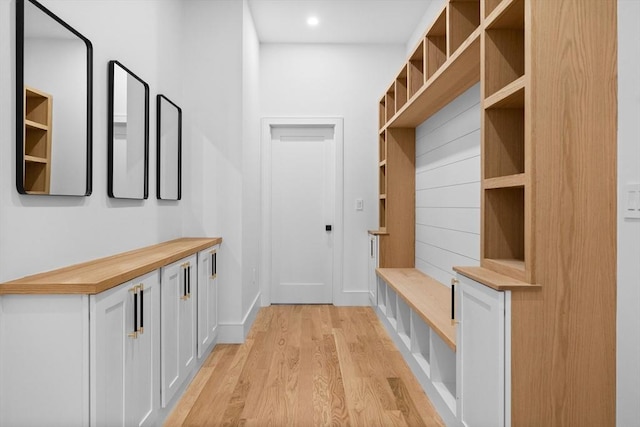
column 430, row 299
column 494, row 280
column 99, row 275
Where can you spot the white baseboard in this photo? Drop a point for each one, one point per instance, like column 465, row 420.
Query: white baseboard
column 235, row 333
column 352, row 298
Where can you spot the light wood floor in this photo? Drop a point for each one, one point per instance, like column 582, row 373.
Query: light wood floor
column 306, row 366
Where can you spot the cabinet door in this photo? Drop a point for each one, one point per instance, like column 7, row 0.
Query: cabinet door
column 373, row 264
column 207, row 299
column 178, row 324
column 142, row 357
column 125, row 385
column 480, row 354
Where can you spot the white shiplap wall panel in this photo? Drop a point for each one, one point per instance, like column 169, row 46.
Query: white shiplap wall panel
column 467, row 220
column 455, row 196
column 448, row 188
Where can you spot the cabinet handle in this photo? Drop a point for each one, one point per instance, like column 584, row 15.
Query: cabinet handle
column 189, row 281
column 453, row 301
column 134, row 334
column 371, row 244
column 214, row 267
column 184, row 282
column 141, row 287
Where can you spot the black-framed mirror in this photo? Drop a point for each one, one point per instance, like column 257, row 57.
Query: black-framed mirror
column 169, row 138
column 128, row 134
column 53, row 104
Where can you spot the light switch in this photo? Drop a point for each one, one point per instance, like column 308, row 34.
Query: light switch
column 632, row 208
column 359, row 204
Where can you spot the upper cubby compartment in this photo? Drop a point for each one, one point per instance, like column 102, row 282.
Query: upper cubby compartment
column 504, row 46
column 436, row 42
column 415, row 70
column 489, row 6
column 383, row 111
column 401, row 89
column 464, row 18
column 391, row 101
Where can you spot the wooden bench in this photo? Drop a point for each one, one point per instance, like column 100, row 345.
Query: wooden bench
column 430, row 299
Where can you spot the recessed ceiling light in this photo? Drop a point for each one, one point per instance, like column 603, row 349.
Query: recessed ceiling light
column 312, row 21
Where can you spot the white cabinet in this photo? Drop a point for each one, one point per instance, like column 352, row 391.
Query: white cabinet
column 207, row 299
column 125, row 353
column 483, row 346
column 373, row 264
column 178, row 325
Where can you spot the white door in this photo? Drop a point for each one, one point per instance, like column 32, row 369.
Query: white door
column 481, row 350
column 302, row 214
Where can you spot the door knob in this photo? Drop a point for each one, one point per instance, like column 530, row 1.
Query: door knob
column 327, row 227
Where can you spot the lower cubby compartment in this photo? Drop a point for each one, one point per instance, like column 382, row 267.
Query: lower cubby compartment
column 392, row 308
column 404, row 322
column 420, row 342
column 382, row 296
column 443, row 370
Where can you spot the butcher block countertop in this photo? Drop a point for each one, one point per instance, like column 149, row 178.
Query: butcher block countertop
column 99, row 275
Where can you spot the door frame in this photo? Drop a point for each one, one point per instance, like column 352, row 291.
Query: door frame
column 338, row 229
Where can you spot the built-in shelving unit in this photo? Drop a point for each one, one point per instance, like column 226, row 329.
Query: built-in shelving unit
column 505, row 173
column 37, row 141
column 548, row 193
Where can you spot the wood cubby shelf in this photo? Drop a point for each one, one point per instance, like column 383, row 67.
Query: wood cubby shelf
column 415, row 70
column 383, row 111
column 37, row 141
column 401, row 89
column 391, row 101
column 464, row 18
column 436, row 42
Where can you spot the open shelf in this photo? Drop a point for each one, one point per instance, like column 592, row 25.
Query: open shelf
column 504, row 230
column 383, row 111
column 464, row 18
column 517, row 180
column 382, row 147
column 420, row 342
column 443, row 371
column 392, row 307
column 504, row 142
column 490, row 6
column 404, row 322
column 383, row 213
column 382, row 296
column 37, row 141
column 391, row 102
column 504, row 48
column 415, row 70
column 436, row 42
column 401, row 89
column 383, row 180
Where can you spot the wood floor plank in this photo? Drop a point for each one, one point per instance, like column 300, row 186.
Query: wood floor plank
column 314, row 365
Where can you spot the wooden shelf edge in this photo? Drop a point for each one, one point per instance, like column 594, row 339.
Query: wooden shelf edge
column 377, row 232
column 510, row 181
column 35, row 125
column 507, row 267
column 442, row 88
column 383, row 163
column 35, row 159
column 497, row 99
column 495, row 280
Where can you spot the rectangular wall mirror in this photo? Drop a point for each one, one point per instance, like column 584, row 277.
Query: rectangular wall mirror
column 128, row 134
column 169, row 136
column 53, row 104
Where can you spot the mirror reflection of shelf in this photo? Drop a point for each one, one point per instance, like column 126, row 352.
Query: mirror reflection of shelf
column 37, row 141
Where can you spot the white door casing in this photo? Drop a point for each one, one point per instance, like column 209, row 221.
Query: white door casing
column 302, row 191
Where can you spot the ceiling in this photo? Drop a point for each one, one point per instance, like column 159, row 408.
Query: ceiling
column 341, row 21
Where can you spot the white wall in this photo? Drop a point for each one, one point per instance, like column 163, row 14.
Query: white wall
column 301, row 80
column 222, row 127
column 42, row 233
column 448, row 188
column 628, row 337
